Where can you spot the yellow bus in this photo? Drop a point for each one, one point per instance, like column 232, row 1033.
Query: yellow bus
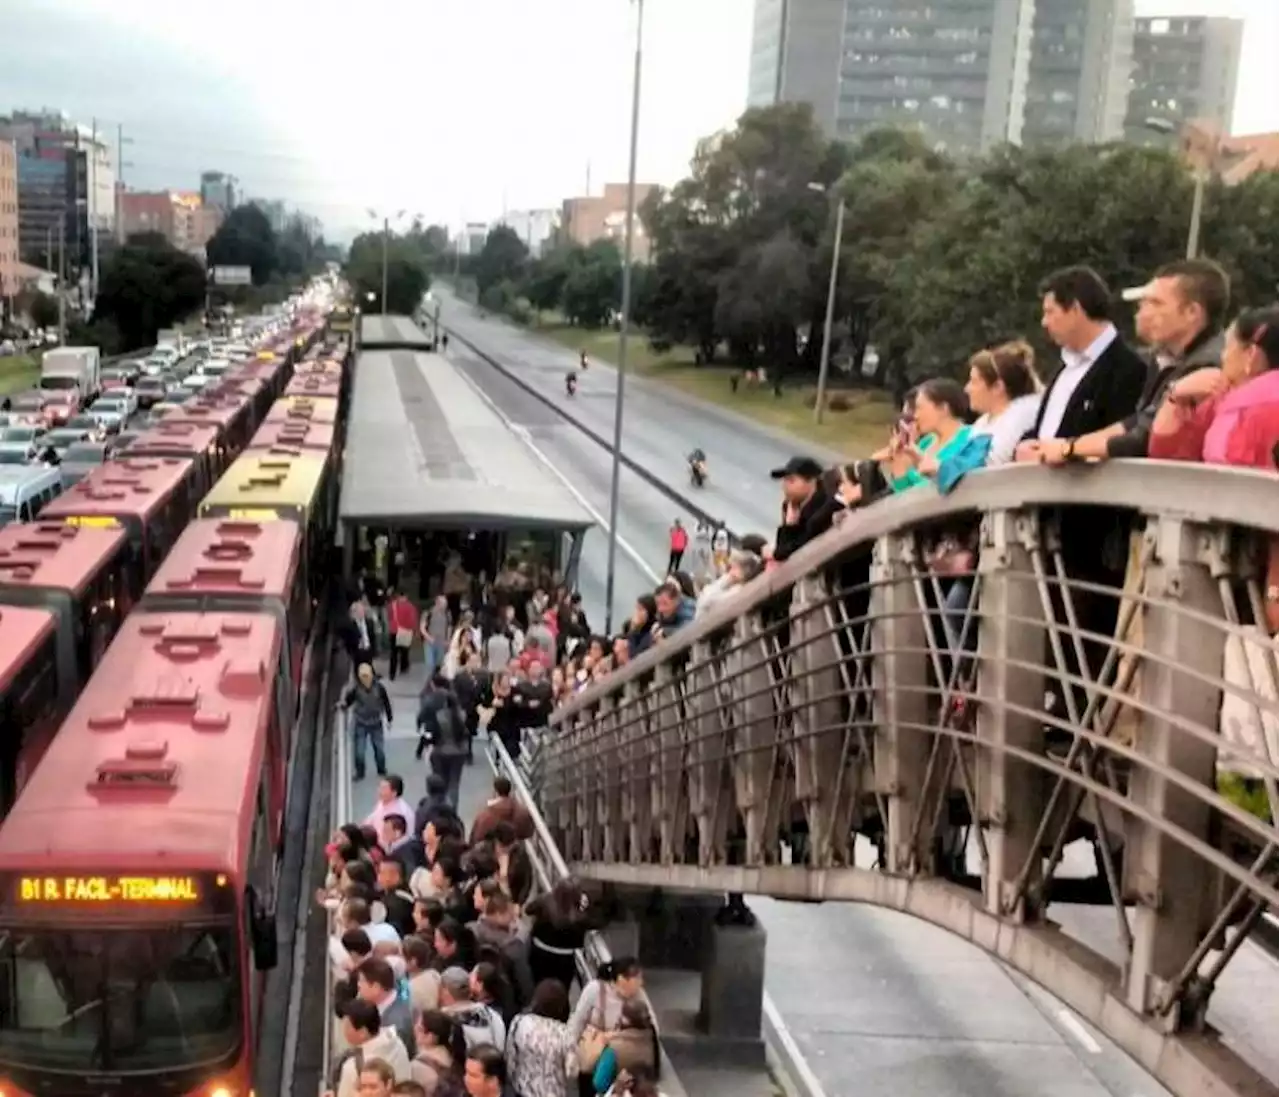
column 265, row 487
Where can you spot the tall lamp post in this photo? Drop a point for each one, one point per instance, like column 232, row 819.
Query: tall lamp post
column 1203, row 148
column 624, row 329
column 825, row 362
column 386, row 240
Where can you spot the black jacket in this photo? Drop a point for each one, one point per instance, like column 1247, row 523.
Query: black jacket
column 815, row 519
column 1108, row 393
column 431, row 810
column 1095, row 540
column 1205, row 350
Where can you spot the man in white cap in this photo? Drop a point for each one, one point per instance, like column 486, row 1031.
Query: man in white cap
column 1181, row 313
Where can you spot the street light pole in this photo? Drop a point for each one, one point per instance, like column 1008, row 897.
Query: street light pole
column 386, row 239
column 1197, row 214
column 825, row 363
column 625, row 328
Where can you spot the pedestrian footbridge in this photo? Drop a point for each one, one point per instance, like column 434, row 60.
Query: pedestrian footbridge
column 1079, row 716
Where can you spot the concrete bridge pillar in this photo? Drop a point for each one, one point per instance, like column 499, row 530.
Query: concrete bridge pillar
column 680, row 935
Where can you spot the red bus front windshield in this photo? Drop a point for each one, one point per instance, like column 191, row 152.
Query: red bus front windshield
column 89, row 999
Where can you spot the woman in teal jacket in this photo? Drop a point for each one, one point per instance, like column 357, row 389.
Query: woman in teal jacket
column 946, row 449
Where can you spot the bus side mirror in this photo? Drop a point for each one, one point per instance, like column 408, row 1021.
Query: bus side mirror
column 262, row 932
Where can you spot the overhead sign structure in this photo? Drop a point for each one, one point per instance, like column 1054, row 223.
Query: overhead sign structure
column 232, row 276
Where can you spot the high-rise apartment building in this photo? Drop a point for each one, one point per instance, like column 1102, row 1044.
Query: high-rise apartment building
column 795, row 55
column 66, row 177
column 1078, row 72
column 967, row 73
column 1184, row 70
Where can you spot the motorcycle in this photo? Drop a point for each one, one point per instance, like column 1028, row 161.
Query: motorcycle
column 698, row 473
column 570, row 384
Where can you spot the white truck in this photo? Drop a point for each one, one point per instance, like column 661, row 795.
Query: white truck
column 171, row 337
column 72, row 367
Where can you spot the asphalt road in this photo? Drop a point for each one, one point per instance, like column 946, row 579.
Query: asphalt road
column 879, row 1004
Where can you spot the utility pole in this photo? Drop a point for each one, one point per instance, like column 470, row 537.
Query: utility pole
column 825, row 364
column 91, row 212
column 62, row 277
column 121, row 164
column 624, row 330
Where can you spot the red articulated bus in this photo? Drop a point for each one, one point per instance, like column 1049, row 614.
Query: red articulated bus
column 150, row 497
column 270, row 370
column 293, row 437
column 175, row 437
column 232, row 416
column 30, row 705
column 251, row 389
column 321, row 387
column 224, row 565
column 137, row 870
column 88, row 578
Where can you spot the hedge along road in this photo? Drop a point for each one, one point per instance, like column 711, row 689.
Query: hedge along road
column 866, row 994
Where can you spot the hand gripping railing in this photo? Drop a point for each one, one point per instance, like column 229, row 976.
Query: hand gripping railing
column 931, row 706
column 549, row 868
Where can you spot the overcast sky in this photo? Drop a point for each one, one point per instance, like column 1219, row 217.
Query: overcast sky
column 448, row 108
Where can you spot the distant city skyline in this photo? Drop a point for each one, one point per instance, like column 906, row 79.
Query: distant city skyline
column 463, row 111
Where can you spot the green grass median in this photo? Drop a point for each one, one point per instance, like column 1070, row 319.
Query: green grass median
column 18, row 372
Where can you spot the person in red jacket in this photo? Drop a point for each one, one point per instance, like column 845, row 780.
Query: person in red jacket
column 402, row 622
column 679, row 542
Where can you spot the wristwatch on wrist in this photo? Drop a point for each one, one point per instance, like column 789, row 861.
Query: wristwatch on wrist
column 1069, row 451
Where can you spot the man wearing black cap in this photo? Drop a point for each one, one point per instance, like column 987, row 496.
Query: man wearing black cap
column 807, row 510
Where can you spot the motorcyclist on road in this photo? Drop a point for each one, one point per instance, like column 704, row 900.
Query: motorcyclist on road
column 582, row 360
column 698, row 467
column 570, row 383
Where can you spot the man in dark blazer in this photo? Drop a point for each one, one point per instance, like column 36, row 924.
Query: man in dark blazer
column 1100, row 382
column 1101, row 378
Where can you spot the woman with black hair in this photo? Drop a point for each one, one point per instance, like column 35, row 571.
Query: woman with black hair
column 598, row 1014
column 441, row 1053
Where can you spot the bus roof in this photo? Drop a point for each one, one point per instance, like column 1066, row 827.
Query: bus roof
column 293, row 436
column 173, row 436
column 258, row 481
column 22, row 630
column 233, row 387
column 304, row 408
column 323, row 385
column 219, row 412
column 159, row 761
column 127, row 485
column 318, row 367
column 55, row 556
column 221, row 556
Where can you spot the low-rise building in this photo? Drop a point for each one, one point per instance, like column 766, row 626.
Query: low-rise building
column 585, row 220
column 180, row 217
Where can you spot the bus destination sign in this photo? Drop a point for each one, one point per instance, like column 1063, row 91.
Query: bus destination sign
column 102, row 890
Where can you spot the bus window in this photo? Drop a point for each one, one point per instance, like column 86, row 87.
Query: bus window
column 29, row 716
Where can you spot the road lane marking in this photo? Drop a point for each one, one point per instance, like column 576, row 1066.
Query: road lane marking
column 1076, row 1028
column 523, row 434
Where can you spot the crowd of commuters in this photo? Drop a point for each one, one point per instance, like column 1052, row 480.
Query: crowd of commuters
column 452, row 977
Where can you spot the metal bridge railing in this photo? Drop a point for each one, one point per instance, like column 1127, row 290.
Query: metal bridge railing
column 886, row 719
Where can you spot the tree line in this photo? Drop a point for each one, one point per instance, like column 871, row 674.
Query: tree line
column 938, row 255
column 147, row 284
